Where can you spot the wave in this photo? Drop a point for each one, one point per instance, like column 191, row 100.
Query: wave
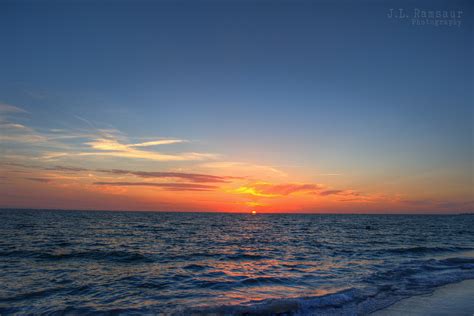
column 114, row 256
column 413, row 277
column 243, row 256
column 127, row 256
column 214, row 256
column 423, row 250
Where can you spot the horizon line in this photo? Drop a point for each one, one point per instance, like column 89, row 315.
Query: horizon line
column 224, row 212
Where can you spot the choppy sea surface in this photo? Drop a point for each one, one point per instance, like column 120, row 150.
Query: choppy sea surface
column 73, row 262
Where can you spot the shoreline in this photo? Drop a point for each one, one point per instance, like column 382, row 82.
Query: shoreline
column 449, row 299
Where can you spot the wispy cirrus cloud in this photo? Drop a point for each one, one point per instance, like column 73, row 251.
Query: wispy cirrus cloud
column 138, row 154
column 7, row 108
column 111, row 147
column 169, row 186
column 22, row 138
column 60, row 143
column 8, row 125
column 158, row 142
column 114, row 148
column 12, row 132
column 244, row 168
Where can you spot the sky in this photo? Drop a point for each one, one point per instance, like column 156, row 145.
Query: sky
column 235, row 106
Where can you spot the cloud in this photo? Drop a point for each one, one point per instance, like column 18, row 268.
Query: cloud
column 244, row 168
column 358, row 197
column 7, row 108
column 111, row 147
column 98, row 142
column 8, row 125
column 330, row 192
column 16, row 164
column 22, row 138
column 158, row 142
column 54, row 155
column 194, row 177
column 166, row 186
column 12, row 132
column 352, row 196
column 62, row 168
column 151, row 155
column 114, row 145
column 265, row 189
column 108, row 145
column 269, row 190
column 42, row 180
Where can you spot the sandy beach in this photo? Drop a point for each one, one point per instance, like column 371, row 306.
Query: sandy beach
column 453, row 299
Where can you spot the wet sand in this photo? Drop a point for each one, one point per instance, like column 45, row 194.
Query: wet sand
column 453, row 299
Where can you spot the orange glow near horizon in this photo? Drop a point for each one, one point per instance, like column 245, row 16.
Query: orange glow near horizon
column 119, row 175
column 81, row 188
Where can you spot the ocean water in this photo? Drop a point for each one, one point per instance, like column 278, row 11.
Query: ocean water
column 72, row 262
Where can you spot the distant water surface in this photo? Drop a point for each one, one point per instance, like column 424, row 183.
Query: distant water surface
column 200, row 263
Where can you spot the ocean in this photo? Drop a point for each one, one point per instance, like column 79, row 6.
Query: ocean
column 77, row 262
